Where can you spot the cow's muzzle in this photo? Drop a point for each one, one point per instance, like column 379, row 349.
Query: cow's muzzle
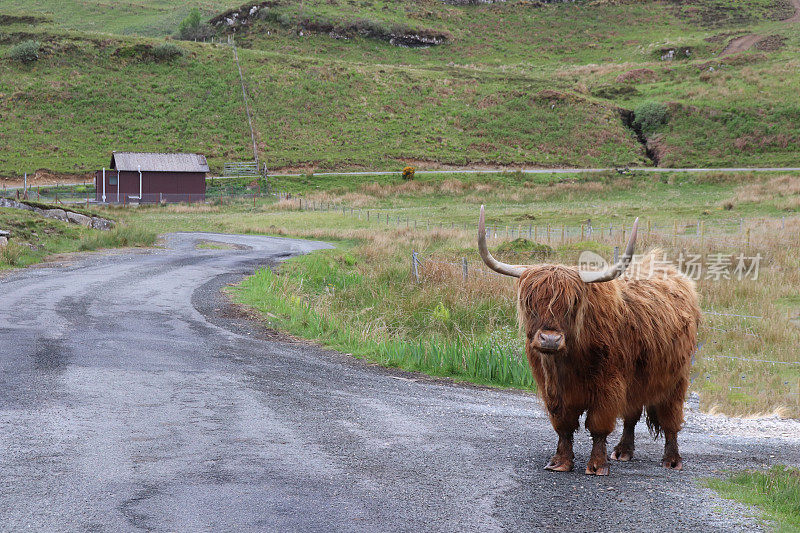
column 548, row 341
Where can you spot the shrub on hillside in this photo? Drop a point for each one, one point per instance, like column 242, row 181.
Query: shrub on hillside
column 650, row 115
column 408, row 173
column 166, row 52
column 25, row 52
column 192, row 28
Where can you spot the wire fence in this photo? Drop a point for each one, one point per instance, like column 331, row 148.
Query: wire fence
column 69, row 195
column 731, row 231
column 744, row 323
column 721, row 232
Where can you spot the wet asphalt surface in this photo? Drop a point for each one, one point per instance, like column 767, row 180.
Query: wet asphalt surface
column 134, row 397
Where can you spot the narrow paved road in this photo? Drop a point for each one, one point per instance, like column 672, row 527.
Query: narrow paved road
column 133, row 398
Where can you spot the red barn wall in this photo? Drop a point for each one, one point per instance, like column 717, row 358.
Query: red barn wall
column 169, row 186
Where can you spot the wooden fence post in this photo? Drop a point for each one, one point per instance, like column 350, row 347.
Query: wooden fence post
column 464, row 266
column 414, row 269
column 674, row 233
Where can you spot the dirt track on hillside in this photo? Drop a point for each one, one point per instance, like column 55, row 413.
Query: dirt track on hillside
column 746, row 42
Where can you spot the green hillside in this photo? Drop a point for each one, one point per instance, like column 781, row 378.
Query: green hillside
column 142, row 17
column 512, row 83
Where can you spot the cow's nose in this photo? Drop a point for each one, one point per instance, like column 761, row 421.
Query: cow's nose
column 550, row 341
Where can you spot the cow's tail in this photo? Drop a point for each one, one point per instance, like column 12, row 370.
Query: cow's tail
column 653, row 425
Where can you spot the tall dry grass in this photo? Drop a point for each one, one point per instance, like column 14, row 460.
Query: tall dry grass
column 484, row 302
column 369, row 287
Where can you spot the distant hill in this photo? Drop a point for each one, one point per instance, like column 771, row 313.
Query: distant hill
column 338, row 84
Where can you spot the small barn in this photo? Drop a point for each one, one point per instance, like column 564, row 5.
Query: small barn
column 140, row 177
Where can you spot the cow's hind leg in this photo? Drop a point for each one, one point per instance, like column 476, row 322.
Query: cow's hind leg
column 670, row 418
column 624, row 450
column 565, row 423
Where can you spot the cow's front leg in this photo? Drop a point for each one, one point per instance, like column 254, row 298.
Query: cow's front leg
column 599, row 423
column 565, row 422
column 624, row 450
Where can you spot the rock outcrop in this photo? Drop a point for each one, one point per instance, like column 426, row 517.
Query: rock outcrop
column 102, row 224
column 338, row 28
column 61, row 214
column 81, row 220
column 58, row 214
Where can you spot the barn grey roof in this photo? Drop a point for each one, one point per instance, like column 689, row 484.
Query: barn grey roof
column 159, row 162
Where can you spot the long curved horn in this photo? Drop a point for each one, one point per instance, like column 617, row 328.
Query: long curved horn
column 503, row 268
column 614, row 271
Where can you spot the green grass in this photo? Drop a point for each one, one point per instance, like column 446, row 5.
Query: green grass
column 143, row 17
column 775, row 492
column 340, row 116
column 434, row 350
column 499, row 35
column 211, row 245
column 34, row 238
column 516, row 85
column 512, row 199
column 72, row 123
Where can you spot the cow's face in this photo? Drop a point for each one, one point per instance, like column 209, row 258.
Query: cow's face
column 551, row 307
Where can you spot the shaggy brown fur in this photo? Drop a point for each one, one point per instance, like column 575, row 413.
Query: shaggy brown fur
column 627, row 344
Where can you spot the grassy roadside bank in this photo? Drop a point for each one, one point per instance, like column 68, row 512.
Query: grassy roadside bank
column 292, row 300
column 775, row 492
column 34, row 238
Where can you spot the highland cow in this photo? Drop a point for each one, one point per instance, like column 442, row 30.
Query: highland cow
column 607, row 346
